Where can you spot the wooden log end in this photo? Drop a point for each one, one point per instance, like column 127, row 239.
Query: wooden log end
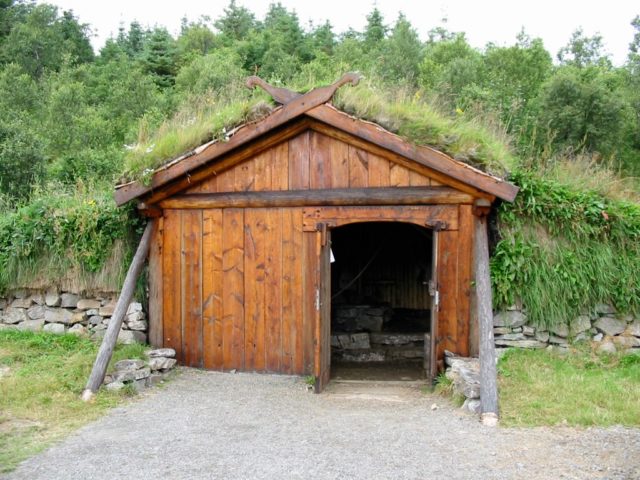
column 489, row 419
column 88, row 395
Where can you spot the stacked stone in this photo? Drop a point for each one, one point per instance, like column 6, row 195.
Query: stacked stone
column 465, row 374
column 604, row 327
column 140, row 373
column 360, row 318
column 67, row 312
column 377, row 347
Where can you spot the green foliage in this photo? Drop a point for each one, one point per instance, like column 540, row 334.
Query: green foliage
column 67, row 230
column 564, row 250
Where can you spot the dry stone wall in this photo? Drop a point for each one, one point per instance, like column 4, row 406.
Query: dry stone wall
column 608, row 330
column 68, row 312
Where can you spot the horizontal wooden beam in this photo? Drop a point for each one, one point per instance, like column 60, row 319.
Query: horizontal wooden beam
column 328, row 197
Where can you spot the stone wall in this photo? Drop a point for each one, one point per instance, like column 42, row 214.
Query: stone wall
column 608, row 330
column 67, row 312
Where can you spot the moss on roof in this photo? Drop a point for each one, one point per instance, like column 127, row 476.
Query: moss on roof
column 201, row 120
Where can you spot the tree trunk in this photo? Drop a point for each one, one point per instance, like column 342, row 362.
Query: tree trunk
column 111, row 336
column 488, row 373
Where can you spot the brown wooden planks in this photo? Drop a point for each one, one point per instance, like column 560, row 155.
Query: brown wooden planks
column 280, row 167
column 244, row 177
column 226, row 181
column 320, row 160
column 263, row 168
column 171, row 285
column 358, row 168
column 254, row 283
column 273, row 289
column 379, row 171
column 212, row 279
column 448, row 286
column 233, row 288
column 299, row 162
column 465, row 248
column 398, row 175
column 156, row 284
column 417, row 180
column 339, row 163
column 310, row 255
column 192, row 287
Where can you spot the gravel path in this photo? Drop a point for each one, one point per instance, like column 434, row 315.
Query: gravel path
column 244, row 426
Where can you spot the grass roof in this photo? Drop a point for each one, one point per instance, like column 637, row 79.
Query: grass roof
column 203, row 119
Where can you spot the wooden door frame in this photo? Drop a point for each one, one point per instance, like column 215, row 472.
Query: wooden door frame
column 324, row 219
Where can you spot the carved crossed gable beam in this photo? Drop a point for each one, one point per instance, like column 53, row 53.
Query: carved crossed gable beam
column 284, row 95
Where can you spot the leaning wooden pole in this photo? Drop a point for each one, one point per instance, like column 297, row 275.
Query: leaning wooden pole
column 111, row 336
column 488, row 371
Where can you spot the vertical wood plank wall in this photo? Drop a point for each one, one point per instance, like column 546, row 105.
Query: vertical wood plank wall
column 238, row 284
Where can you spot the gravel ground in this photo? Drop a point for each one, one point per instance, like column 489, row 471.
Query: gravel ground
column 245, row 426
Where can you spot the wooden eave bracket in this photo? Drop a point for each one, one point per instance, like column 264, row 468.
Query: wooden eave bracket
column 481, row 207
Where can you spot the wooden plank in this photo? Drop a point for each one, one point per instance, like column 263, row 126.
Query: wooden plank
column 339, row 163
column 254, row 287
column 299, row 162
column 445, row 215
column 244, row 176
column 448, row 285
column 263, row 165
column 417, row 180
column 320, row 160
column 212, row 288
column 172, row 289
column 310, row 253
column 289, row 261
column 233, row 288
column 398, row 175
column 156, row 284
column 273, row 290
column 379, row 171
column 226, row 181
column 426, row 156
column 330, row 197
column 209, row 185
column 206, row 153
column 465, row 248
column 358, row 168
column 192, row 287
column 298, row 299
column 280, row 168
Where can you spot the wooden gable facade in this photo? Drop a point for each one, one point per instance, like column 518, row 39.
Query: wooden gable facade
column 240, row 250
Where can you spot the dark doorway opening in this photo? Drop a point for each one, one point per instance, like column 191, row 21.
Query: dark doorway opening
column 380, row 301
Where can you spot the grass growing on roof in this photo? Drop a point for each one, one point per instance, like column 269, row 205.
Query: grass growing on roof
column 538, row 387
column 40, row 395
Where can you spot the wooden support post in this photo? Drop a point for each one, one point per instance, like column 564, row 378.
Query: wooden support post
column 488, row 371
column 109, row 341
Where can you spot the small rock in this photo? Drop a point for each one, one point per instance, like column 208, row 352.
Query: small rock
column 520, row 343
column 633, row 329
column 129, row 364
column 31, row 325
column 36, row 312
column 501, row 330
column 3, row 303
column 134, row 307
column 37, row 298
column 79, row 329
column 56, row 328
column 354, row 341
column 161, row 363
column 610, row 326
column 69, row 300
column 87, row 303
column 136, row 317
column 22, row 302
column 606, row 347
column 92, row 312
column 542, row 336
column 114, row 386
column 78, row 317
column 581, row 337
column 100, row 326
column 434, row 406
column 161, row 352
column 107, row 310
column 580, row 324
column 52, row 299
column 598, row 337
column 98, row 335
column 626, row 341
column 561, row 330
column 95, row 320
column 140, row 325
column 13, row 315
column 513, row 336
column 5, row 326
column 605, row 309
column 20, row 293
column 471, row 405
column 528, row 331
column 509, row 319
column 127, row 337
column 558, row 341
column 131, row 375
column 58, row 315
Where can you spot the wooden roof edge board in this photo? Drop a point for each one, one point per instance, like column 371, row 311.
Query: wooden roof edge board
column 427, row 156
column 321, row 197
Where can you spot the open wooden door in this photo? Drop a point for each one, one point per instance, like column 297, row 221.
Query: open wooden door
column 323, row 315
column 430, row 365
